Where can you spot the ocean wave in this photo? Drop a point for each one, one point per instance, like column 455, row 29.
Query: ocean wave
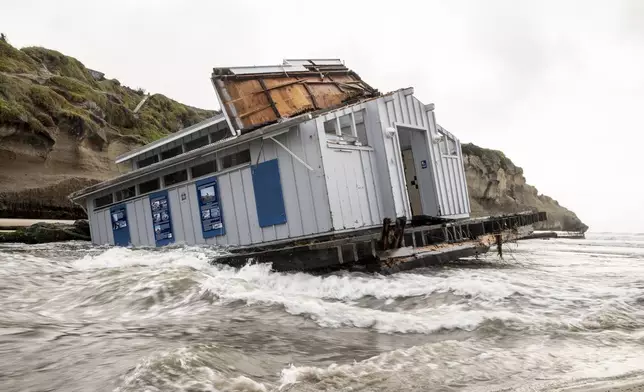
column 313, row 303
column 459, row 364
column 195, row 368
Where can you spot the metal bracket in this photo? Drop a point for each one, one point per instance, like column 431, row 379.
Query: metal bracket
column 292, row 154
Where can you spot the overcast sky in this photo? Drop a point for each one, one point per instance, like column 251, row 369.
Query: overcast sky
column 557, row 85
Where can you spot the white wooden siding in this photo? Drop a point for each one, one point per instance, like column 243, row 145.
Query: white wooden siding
column 349, row 188
column 450, row 187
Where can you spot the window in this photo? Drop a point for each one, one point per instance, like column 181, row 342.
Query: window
column 103, row 201
column 451, row 146
column 175, row 178
column 195, row 144
column 238, row 158
column 349, row 128
column 447, row 144
column 173, row 152
column 125, row 194
column 329, row 127
column 149, row 186
column 346, row 127
column 361, row 128
column 147, row 161
column 203, row 169
column 218, row 135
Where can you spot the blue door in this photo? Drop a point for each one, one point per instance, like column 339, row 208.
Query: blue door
column 269, row 199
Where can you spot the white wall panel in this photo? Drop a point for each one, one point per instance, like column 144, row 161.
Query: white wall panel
column 195, row 214
column 177, row 221
column 131, row 224
column 107, row 221
column 147, row 215
column 186, row 211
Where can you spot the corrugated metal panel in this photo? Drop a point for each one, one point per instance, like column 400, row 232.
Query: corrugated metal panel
column 283, row 68
column 336, row 62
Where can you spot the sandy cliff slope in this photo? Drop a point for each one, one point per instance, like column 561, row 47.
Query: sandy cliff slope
column 62, row 125
column 496, row 185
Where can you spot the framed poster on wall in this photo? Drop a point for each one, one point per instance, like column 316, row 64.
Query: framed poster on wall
column 161, row 218
column 210, row 214
column 120, row 228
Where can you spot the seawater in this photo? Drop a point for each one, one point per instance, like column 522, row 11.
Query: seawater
column 552, row 315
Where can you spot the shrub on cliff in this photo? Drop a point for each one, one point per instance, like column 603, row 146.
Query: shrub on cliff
column 43, row 91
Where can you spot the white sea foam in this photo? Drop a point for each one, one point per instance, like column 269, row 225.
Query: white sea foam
column 463, row 363
column 329, row 301
column 119, row 257
column 184, row 369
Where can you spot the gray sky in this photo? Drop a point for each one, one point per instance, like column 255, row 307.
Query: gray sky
column 557, row 85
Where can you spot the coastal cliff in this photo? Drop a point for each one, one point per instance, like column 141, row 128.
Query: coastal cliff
column 62, row 125
column 496, row 185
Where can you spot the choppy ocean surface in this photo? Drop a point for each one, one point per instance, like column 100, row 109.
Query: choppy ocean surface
column 553, row 315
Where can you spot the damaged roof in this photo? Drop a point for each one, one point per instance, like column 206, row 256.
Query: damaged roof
column 252, row 97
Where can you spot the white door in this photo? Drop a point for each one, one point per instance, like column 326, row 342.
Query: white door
column 412, row 183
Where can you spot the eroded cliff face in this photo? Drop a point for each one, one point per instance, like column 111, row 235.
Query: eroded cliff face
column 496, row 185
column 62, row 126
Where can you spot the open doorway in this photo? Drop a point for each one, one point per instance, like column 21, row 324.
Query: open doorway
column 414, row 149
column 412, row 182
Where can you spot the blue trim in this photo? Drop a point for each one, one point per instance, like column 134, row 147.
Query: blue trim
column 166, row 235
column 120, row 225
column 269, row 199
column 209, row 207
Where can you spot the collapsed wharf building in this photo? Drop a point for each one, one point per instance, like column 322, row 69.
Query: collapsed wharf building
column 307, row 167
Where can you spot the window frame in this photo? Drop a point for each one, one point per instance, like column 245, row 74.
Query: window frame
column 165, row 183
column 111, row 201
column 222, row 164
column 216, row 163
column 444, row 144
column 120, row 192
column 179, row 148
column 158, row 181
column 154, row 158
column 353, row 138
column 188, row 148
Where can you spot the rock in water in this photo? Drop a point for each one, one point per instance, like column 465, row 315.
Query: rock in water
column 40, row 233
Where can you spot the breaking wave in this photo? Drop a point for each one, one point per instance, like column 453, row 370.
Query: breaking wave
column 559, row 315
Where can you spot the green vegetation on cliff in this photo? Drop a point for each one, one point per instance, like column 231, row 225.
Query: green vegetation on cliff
column 62, row 125
column 43, row 92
